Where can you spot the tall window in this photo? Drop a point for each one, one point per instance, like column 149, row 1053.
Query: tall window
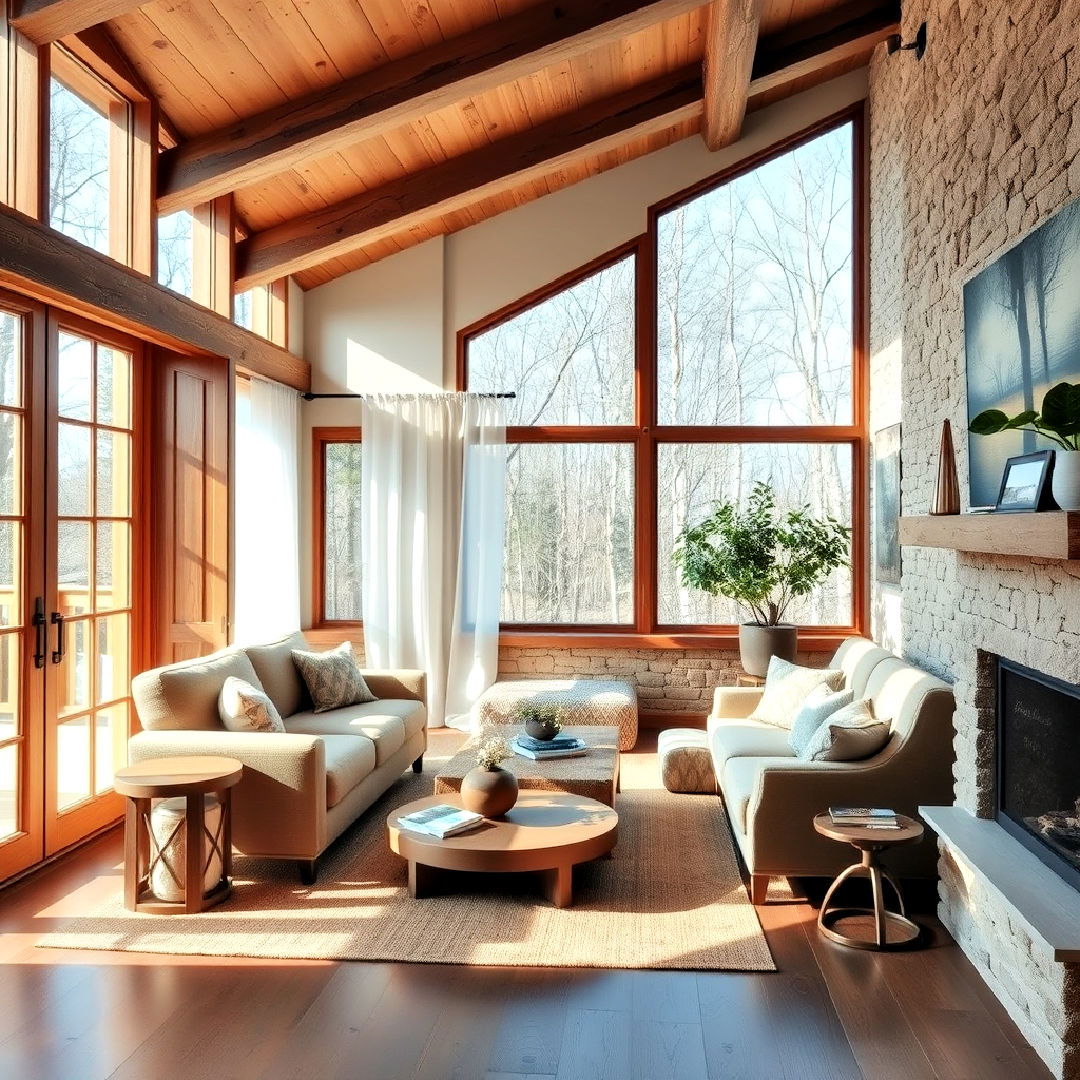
column 337, row 459
column 176, row 252
column 639, row 408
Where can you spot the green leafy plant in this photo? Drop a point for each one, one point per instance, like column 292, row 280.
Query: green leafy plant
column 759, row 557
column 493, row 750
column 1059, row 420
column 550, row 715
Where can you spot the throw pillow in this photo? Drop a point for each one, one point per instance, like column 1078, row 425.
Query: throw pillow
column 851, row 734
column 333, row 678
column 816, row 709
column 787, row 686
column 243, row 707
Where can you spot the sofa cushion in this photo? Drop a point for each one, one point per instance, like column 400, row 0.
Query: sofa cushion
column 242, row 707
column 745, row 738
column 787, row 686
column 386, row 723
column 333, row 678
column 274, row 665
column 184, row 696
column 816, row 709
column 852, row 734
column 857, row 657
column 349, row 760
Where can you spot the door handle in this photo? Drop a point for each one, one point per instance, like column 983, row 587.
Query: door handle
column 39, row 632
column 58, row 622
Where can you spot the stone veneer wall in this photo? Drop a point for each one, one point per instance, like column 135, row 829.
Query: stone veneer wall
column 970, row 150
column 667, row 680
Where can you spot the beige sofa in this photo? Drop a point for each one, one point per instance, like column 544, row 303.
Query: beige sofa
column 772, row 796
column 302, row 789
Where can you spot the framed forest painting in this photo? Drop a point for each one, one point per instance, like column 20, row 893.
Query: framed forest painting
column 887, row 552
column 1021, row 336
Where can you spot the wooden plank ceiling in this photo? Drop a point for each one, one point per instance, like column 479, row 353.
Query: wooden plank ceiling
column 228, row 72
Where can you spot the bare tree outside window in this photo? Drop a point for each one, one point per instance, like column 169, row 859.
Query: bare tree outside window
column 176, row 252
column 78, row 167
column 342, row 565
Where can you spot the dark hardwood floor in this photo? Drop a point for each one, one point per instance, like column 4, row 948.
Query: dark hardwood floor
column 828, row 1013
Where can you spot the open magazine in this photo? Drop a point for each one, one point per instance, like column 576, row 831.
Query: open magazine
column 441, row 821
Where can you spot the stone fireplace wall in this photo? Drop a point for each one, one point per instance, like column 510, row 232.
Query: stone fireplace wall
column 971, row 149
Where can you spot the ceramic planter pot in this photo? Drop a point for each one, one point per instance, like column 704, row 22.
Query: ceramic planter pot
column 490, row 792
column 759, row 644
column 1065, row 481
column 541, row 729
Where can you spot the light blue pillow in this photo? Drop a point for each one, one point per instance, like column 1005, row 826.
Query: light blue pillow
column 819, row 705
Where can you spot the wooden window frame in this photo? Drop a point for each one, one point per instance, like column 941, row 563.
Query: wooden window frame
column 648, row 435
column 321, row 437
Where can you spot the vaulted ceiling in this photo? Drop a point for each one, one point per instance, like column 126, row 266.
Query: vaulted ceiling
column 350, row 129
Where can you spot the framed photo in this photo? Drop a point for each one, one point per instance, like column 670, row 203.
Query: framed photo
column 1025, row 484
column 888, row 555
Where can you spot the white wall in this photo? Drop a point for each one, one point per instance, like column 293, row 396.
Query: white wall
column 393, row 325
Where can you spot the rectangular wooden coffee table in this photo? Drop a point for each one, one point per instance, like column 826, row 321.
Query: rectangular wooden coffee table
column 594, row 775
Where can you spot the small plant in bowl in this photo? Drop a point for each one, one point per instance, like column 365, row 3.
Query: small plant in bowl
column 489, row 789
column 542, row 722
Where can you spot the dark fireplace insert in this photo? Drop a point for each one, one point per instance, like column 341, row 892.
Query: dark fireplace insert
column 1038, row 759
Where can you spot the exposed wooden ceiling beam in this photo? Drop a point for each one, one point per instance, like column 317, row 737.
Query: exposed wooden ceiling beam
column 731, row 37
column 853, row 29
column 462, row 181
column 397, row 93
column 43, row 21
column 395, row 207
column 43, row 263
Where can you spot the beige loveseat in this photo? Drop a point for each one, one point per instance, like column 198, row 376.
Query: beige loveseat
column 772, row 796
column 302, row 789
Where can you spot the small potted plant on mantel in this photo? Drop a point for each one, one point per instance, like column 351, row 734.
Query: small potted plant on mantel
column 762, row 559
column 1059, row 421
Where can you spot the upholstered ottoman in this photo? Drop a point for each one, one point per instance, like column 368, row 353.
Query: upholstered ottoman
column 685, row 762
column 607, row 703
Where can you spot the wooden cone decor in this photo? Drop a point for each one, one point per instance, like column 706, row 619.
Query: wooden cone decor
column 947, row 491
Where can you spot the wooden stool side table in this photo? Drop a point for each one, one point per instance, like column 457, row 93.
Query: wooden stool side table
column 870, row 842
column 193, row 778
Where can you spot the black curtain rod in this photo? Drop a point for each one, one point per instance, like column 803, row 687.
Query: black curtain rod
column 315, row 397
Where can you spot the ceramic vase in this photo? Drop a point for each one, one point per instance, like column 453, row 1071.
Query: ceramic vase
column 1065, row 481
column 490, row 792
column 759, row 644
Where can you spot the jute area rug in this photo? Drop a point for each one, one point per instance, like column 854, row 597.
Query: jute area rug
column 670, row 897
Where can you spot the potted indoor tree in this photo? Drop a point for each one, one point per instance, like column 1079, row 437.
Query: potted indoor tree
column 1059, row 421
column 762, row 559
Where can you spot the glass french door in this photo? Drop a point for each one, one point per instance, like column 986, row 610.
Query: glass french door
column 67, row 533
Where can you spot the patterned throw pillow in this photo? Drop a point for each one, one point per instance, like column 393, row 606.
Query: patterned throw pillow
column 816, row 709
column 243, row 707
column 851, row 734
column 787, row 686
column 333, row 678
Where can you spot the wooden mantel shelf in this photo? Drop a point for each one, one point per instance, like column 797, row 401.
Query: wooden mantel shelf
column 1052, row 535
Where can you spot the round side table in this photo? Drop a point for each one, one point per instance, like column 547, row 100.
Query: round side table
column 870, row 842
column 192, row 778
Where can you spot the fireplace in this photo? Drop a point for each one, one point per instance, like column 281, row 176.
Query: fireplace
column 1038, row 765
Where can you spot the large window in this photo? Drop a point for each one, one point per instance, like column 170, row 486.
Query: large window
column 176, row 252
column 720, row 349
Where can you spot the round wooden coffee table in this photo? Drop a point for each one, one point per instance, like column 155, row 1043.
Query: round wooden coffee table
column 870, row 842
column 546, row 831
column 193, row 778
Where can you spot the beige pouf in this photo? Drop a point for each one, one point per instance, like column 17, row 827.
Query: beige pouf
column 169, row 837
column 596, row 702
column 685, row 762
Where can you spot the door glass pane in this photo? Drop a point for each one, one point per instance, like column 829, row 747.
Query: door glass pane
column 692, row 477
column 113, row 473
column 73, row 566
column 74, row 670
column 113, row 565
column 9, row 790
column 10, row 573
column 113, row 386
column 110, row 732
column 72, row 762
column 112, row 651
column 11, row 463
column 569, row 533
column 10, row 359
column 73, row 471
column 74, row 377
column 10, row 658
column 341, row 532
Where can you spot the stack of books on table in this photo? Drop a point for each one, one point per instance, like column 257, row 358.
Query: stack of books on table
column 868, row 817
column 541, row 749
column 441, row 821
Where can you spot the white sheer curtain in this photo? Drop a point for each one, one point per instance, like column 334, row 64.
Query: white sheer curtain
column 266, row 575
column 432, row 513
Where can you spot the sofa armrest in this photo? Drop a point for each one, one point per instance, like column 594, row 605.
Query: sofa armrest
column 735, row 702
column 399, row 683
column 279, row 806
